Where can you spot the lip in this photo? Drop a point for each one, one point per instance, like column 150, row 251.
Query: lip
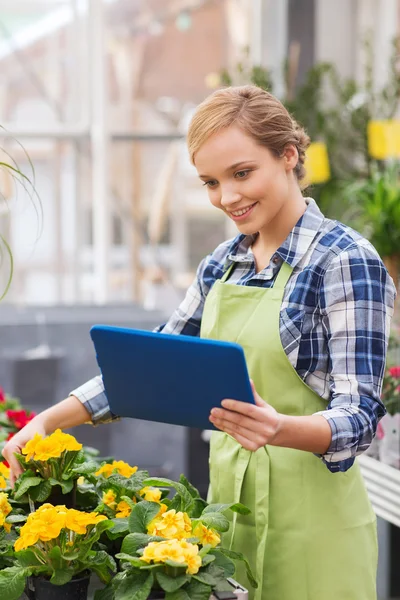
column 244, row 215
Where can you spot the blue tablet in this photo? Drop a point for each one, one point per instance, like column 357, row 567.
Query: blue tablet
column 173, row 379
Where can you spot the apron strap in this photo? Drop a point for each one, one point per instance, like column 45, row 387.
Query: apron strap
column 283, row 277
column 227, row 273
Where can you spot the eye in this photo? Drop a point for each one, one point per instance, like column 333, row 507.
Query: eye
column 242, row 174
column 211, row 184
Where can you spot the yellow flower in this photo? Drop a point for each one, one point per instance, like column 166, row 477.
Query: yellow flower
column 151, row 494
column 3, row 482
column 5, row 506
column 67, row 441
column 5, row 471
column 162, row 551
column 193, row 563
column 171, row 525
column 81, row 480
column 124, row 510
column 78, row 521
column 24, row 541
column 30, row 448
column 48, row 524
column 206, row 536
column 109, row 498
column 120, row 466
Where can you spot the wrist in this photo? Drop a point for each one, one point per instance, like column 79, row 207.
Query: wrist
column 278, row 434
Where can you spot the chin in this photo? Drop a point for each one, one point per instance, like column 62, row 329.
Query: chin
column 247, row 228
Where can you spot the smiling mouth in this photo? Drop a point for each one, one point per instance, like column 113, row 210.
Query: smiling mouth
column 243, row 212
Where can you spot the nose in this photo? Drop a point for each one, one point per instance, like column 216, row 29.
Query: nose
column 229, row 198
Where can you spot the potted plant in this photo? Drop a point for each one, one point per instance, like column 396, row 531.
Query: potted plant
column 377, row 212
column 54, row 555
column 173, row 548
column 52, row 466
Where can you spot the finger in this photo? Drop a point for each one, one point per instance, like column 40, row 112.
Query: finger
column 236, row 419
column 235, row 429
column 244, row 408
column 15, row 467
column 248, row 444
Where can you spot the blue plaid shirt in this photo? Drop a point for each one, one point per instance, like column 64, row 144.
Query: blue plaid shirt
column 334, row 323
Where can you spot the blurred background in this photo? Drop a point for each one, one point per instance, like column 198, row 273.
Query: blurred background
column 106, row 218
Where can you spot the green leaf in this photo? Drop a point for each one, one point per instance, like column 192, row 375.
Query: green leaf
column 41, row 492
column 224, row 562
column 61, row 576
column 235, row 507
column 16, row 518
column 171, row 584
column 107, row 593
column 27, row 558
column 133, row 560
column 215, row 520
column 198, row 507
column 66, row 486
column 212, row 575
column 186, row 500
column 86, row 468
column 12, row 582
column 120, row 526
column 135, row 586
column 194, row 492
column 207, row 559
column 142, row 514
column 102, row 564
column 239, row 556
column 180, row 594
column 134, row 541
column 25, row 484
column 196, row 590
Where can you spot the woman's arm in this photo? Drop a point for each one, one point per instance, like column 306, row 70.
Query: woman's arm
column 68, row 413
column 259, row 425
column 357, row 299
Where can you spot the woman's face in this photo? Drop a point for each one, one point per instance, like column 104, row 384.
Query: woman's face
column 245, row 180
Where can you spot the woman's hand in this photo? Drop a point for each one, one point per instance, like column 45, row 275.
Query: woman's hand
column 16, row 444
column 252, row 426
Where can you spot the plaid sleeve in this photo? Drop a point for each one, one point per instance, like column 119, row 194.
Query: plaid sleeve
column 185, row 320
column 357, row 300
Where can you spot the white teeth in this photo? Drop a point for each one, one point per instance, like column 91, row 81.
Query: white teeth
column 238, row 213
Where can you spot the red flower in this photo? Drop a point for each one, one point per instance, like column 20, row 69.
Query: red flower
column 2, row 396
column 11, row 435
column 395, row 372
column 19, row 418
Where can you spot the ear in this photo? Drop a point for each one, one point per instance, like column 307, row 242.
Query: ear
column 290, row 156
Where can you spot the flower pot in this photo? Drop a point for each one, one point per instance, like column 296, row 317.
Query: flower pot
column 57, row 497
column 76, row 589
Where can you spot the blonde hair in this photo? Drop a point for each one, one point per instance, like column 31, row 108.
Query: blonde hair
column 257, row 112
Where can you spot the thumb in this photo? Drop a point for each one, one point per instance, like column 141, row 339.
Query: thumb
column 257, row 398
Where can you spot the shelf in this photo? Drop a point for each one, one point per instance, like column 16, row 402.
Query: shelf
column 383, row 485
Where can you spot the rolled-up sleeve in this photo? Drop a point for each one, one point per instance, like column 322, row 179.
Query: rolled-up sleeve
column 356, row 302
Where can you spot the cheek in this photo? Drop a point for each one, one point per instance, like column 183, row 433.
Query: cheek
column 214, row 197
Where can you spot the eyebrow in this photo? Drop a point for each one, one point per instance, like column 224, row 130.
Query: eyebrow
column 232, row 167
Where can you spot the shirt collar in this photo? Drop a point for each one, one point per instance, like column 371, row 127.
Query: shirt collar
column 293, row 248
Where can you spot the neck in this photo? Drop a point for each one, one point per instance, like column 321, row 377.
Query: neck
column 273, row 235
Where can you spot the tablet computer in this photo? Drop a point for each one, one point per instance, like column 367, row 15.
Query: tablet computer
column 173, row 379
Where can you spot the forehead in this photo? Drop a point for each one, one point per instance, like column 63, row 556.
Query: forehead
column 225, row 148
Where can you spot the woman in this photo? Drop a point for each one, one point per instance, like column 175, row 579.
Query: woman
column 310, row 302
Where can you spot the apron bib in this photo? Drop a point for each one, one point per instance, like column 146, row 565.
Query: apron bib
column 311, row 534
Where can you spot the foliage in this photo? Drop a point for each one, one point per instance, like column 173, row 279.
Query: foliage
column 376, row 210
column 57, row 543
column 168, row 548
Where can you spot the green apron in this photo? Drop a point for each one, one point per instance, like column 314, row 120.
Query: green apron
column 311, row 534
